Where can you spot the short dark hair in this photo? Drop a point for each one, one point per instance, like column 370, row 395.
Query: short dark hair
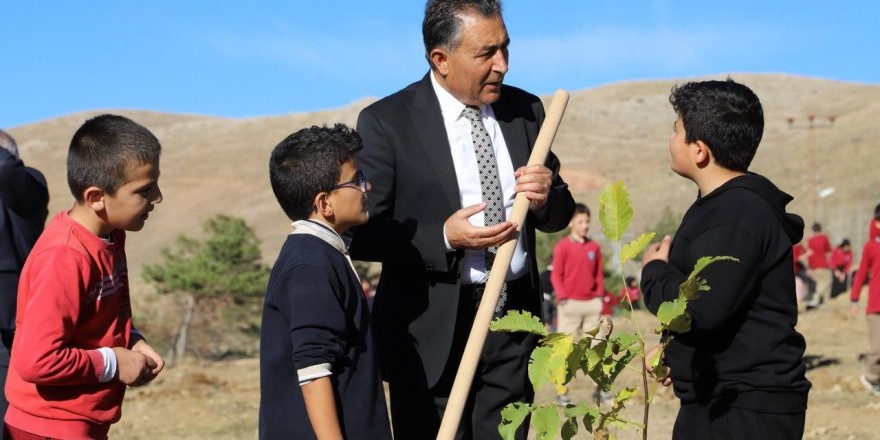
column 580, row 208
column 726, row 115
column 441, row 26
column 103, row 149
column 309, row 162
column 817, row 227
column 877, row 212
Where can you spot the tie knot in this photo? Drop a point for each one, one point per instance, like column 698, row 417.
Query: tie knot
column 472, row 113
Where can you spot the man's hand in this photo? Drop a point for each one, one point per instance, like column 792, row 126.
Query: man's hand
column 142, row 347
column 657, row 251
column 133, row 368
column 461, row 234
column 534, row 181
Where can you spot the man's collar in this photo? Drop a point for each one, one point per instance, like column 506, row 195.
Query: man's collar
column 450, row 107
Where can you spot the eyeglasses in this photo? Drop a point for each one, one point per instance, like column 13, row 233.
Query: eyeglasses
column 360, row 179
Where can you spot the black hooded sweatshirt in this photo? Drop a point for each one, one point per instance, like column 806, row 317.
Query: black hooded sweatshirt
column 742, row 349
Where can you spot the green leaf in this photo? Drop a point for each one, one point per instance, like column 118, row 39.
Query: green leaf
column 539, row 366
column 626, row 394
column 569, row 428
column 635, row 247
column 615, row 211
column 512, row 416
column 625, row 340
column 557, row 365
column 590, row 419
column 519, row 321
column 545, row 421
column 576, row 410
column 673, row 316
column 705, row 261
column 690, row 289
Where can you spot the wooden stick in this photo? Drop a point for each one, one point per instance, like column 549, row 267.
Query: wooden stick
column 477, row 338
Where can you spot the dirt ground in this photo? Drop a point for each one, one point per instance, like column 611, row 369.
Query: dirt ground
column 220, row 400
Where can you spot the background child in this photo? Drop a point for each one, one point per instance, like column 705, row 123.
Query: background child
column 577, row 276
column 739, row 370
column 577, row 279
column 318, row 372
column 75, row 348
column 634, row 292
column 818, row 253
column 841, row 261
column 869, row 267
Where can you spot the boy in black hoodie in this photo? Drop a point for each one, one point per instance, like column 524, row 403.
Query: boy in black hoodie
column 739, row 371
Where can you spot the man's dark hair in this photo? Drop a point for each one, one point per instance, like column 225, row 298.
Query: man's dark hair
column 103, row 149
column 817, row 227
column 877, row 212
column 441, row 26
column 725, row 115
column 309, row 162
column 580, row 208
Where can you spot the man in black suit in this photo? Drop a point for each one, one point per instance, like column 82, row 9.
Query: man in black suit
column 427, row 224
column 24, row 201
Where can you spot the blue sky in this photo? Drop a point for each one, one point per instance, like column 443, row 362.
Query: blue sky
column 256, row 58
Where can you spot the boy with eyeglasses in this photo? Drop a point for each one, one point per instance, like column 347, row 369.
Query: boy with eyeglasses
column 315, row 316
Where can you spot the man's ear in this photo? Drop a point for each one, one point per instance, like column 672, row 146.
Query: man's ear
column 440, row 60
column 93, row 197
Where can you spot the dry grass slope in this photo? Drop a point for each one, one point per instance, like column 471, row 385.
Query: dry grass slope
column 217, row 165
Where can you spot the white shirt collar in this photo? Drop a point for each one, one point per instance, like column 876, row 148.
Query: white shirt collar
column 321, row 230
column 451, row 107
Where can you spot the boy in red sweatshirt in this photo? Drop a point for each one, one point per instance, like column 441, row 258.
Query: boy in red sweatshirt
column 869, row 267
column 577, row 276
column 75, row 348
column 577, row 280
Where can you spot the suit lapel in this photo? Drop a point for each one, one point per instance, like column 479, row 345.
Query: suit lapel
column 428, row 122
column 514, row 133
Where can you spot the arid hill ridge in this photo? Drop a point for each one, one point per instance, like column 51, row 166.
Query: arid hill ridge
column 615, row 132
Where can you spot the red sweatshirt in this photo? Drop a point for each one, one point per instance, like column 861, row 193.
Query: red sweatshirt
column 869, row 267
column 798, row 251
column 841, row 260
column 819, row 247
column 577, row 270
column 72, row 299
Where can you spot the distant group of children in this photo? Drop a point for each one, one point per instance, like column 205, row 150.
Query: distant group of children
column 821, row 272
column 76, row 348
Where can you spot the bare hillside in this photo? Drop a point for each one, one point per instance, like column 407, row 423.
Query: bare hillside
column 217, row 165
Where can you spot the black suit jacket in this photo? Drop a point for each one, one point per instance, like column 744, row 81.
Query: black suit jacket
column 24, row 201
column 407, row 159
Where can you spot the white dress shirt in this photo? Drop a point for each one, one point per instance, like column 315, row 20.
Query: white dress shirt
column 458, row 130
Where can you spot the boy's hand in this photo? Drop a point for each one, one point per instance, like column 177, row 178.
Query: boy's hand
column 142, row 347
column 657, row 251
column 133, row 368
column 655, row 359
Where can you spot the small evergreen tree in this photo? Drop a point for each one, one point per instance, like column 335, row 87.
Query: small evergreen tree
column 226, row 266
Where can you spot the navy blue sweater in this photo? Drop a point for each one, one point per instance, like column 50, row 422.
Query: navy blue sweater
column 742, row 349
column 315, row 312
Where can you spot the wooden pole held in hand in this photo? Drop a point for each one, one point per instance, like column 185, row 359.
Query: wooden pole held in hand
column 477, row 338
